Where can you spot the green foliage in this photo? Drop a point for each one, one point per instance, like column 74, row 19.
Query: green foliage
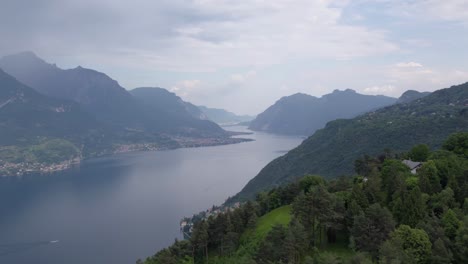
column 328, row 258
column 419, row 152
column 345, row 220
column 331, row 151
column 315, row 209
column 394, row 174
column 458, row 144
column 410, row 207
column 429, row 181
column 54, row 150
column 461, row 243
column 450, row 223
column 279, row 216
column 46, row 152
column 272, row 248
column 440, row 253
column 371, row 229
column 414, row 243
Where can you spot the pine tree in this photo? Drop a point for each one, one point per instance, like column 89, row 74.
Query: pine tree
column 410, row 208
column 461, row 243
column 315, row 211
column 371, row 229
column 200, row 239
column 429, row 181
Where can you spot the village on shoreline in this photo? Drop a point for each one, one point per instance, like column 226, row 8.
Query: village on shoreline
column 23, row 168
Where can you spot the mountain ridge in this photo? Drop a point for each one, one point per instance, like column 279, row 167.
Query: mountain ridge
column 101, row 96
column 303, row 114
column 224, row 117
column 332, row 150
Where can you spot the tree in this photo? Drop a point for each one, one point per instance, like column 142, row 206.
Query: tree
column 263, row 201
column 410, row 207
column 461, row 243
column 394, row 174
column 450, row 223
column 271, row 249
column 429, row 181
column 250, row 214
column 465, row 206
column 364, row 166
column 314, row 210
column 328, row 258
column 440, row 253
column 352, row 211
column 231, row 240
column 372, row 189
column 414, row 243
column 308, row 181
column 358, row 195
column 371, row 229
column 391, row 252
column 442, row 201
column 458, row 144
column 296, row 242
column 433, row 227
column 359, row 258
column 200, row 238
column 420, row 152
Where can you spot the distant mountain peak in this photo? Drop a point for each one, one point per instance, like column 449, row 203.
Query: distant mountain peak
column 302, row 114
column 331, row 151
column 224, row 117
column 411, row 95
column 338, row 91
column 26, row 58
column 26, row 54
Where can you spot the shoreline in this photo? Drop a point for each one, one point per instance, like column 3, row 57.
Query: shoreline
column 21, row 169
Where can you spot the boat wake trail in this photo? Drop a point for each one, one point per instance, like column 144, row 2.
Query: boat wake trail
column 7, row 249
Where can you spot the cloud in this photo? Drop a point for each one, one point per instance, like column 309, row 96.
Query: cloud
column 187, row 35
column 448, row 10
column 185, row 87
column 228, row 53
column 416, row 77
column 409, row 65
column 241, row 78
column 425, row 10
column 379, row 90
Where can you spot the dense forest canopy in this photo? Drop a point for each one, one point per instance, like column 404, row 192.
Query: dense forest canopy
column 383, row 214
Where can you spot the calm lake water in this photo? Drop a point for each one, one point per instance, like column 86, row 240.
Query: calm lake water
column 121, row 208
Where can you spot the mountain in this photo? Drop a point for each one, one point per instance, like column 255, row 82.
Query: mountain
column 331, row 151
column 223, row 117
column 302, row 114
column 167, row 109
column 105, row 99
column 95, row 91
column 37, row 131
column 26, row 115
column 410, row 96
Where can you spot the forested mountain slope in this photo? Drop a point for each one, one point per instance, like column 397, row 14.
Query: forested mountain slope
column 386, row 214
column 331, row 151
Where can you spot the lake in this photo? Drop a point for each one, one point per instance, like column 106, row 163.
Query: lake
column 120, row 208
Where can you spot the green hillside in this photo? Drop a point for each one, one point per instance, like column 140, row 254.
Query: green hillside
column 386, row 215
column 331, row 151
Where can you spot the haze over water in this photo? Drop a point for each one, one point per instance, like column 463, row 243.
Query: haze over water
column 120, row 208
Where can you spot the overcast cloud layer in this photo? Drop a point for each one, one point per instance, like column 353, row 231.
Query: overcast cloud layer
column 244, row 55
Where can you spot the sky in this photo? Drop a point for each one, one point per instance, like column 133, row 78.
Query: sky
column 243, row 55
